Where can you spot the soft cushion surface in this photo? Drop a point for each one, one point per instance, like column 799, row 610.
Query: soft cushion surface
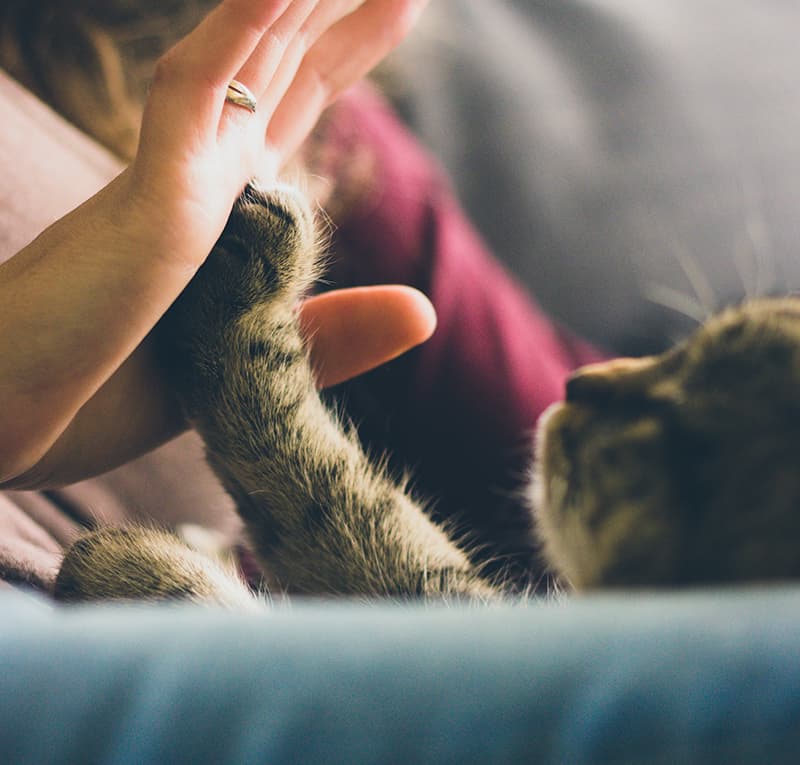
column 709, row 677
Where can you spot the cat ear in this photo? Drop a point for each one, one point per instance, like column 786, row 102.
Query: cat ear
column 651, row 378
column 607, row 379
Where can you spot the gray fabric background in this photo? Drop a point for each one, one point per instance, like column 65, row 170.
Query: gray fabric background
column 633, row 161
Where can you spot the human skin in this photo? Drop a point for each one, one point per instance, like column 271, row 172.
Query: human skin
column 80, row 387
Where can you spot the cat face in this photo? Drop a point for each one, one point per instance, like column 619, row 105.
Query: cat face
column 680, row 468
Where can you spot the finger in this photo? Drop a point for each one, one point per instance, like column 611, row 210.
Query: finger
column 325, row 15
column 274, row 63
column 278, row 43
column 192, row 77
column 299, row 26
column 352, row 331
column 344, row 54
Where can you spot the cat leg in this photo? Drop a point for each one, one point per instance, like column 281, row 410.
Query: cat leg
column 137, row 563
column 322, row 518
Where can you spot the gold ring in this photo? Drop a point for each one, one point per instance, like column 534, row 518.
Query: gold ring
column 240, row 95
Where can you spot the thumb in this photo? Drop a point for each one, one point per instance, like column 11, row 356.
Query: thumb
column 354, row 330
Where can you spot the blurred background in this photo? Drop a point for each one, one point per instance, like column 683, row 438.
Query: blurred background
column 634, row 162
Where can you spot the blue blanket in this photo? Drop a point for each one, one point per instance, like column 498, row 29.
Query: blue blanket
column 711, row 677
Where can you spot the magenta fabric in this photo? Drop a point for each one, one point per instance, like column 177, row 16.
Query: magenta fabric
column 458, row 412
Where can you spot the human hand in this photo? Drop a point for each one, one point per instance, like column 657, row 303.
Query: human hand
column 197, row 152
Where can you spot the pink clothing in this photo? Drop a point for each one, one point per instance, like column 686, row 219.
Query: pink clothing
column 460, row 410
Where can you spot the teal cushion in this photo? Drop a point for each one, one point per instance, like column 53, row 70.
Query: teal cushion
column 705, row 677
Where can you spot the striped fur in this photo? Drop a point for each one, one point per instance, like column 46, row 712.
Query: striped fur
column 672, row 470
column 322, row 518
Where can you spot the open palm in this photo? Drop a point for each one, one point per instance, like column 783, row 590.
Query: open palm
column 197, row 151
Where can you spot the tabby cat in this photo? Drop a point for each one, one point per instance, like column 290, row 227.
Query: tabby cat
column 679, row 469
column 670, row 470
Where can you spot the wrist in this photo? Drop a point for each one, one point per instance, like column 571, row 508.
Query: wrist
column 148, row 225
column 173, row 219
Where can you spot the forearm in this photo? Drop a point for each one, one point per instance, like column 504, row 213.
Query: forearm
column 132, row 413
column 76, row 303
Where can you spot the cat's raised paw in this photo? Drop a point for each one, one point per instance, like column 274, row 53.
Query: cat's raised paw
column 277, row 225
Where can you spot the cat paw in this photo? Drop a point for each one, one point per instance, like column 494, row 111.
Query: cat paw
column 276, row 227
column 263, row 263
column 144, row 564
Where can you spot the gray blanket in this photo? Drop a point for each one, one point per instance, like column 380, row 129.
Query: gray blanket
column 635, row 162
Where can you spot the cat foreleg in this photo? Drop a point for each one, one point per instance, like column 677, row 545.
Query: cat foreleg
column 322, row 517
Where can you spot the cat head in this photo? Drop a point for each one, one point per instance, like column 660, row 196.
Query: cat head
column 680, row 468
